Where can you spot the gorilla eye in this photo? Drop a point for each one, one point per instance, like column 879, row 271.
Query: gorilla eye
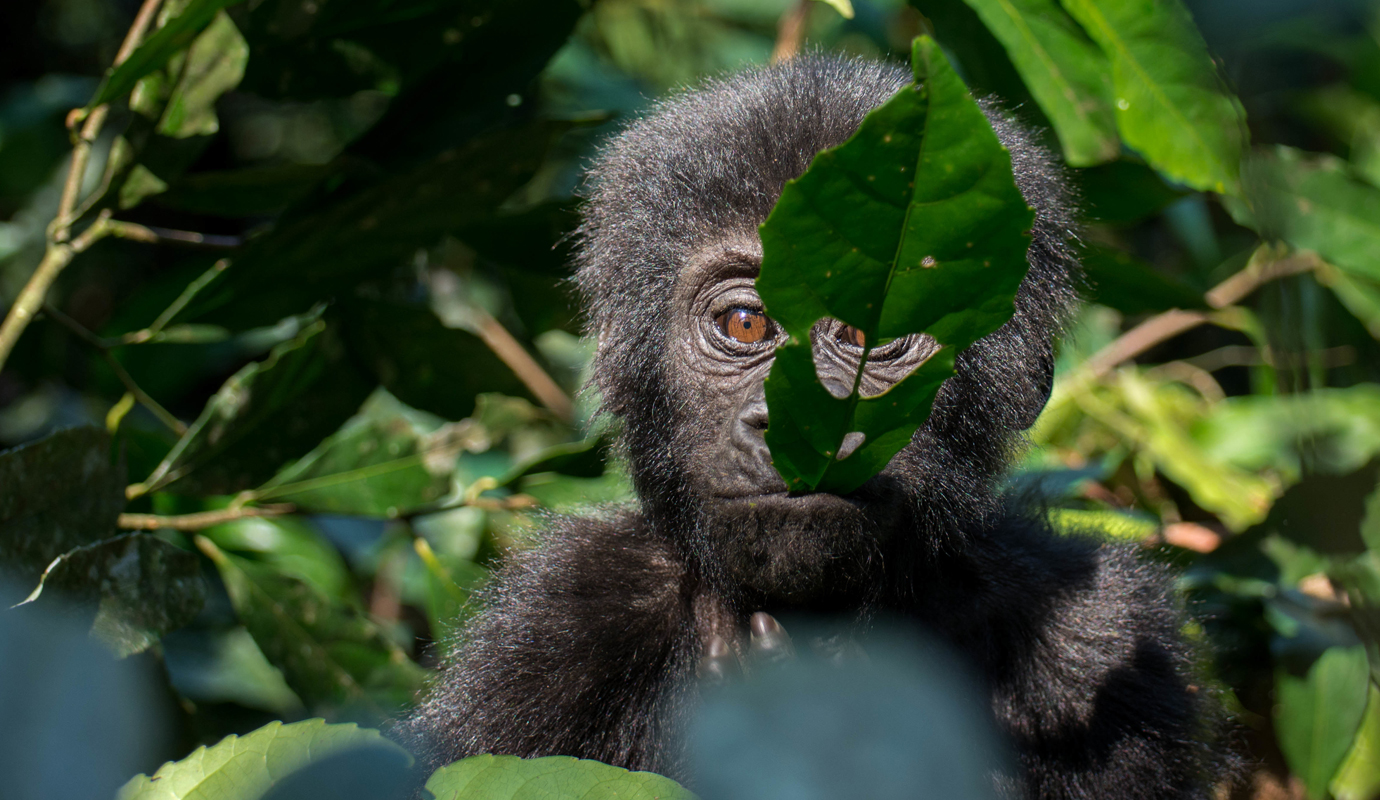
column 853, row 336
column 744, row 325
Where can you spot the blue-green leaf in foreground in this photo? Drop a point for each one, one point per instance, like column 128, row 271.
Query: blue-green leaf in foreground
column 511, row 778
column 914, row 225
column 244, row 767
column 1171, row 105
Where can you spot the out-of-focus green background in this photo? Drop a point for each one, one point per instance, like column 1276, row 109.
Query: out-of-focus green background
column 325, row 369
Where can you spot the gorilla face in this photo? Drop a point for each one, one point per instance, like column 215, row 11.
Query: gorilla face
column 793, row 548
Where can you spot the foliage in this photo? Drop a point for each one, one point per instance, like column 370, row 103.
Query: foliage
column 300, row 366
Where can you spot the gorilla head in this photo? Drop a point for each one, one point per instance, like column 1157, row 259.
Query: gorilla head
column 667, row 258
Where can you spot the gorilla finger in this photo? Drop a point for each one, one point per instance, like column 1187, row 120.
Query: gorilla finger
column 770, row 643
column 718, row 665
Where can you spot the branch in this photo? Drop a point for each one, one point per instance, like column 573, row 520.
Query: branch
column 142, row 233
column 59, row 253
column 103, row 348
column 523, row 365
column 201, row 519
column 790, row 31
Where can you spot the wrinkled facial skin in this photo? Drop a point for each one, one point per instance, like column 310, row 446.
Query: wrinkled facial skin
column 796, row 549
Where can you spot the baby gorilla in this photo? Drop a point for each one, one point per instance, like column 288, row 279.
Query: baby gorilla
column 590, row 642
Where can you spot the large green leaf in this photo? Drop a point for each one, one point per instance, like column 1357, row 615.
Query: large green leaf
column 267, row 414
column 245, row 767
column 158, row 48
column 60, row 492
column 1068, row 75
column 330, row 654
column 385, row 461
column 913, row 225
column 511, row 778
column 1358, row 778
column 1317, row 715
column 1171, row 106
column 142, row 587
column 1314, row 203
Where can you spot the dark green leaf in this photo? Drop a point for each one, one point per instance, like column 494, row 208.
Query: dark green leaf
column 257, row 191
column 1068, row 75
column 162, row 45
column 1317, row 715
column 1359, row 294
column 1172, row 107
column 511, row 778
column 248, row 766
column 384, row 462
column 330, row 654
column 424, row 363
column 267, row 414
column 1131, row 286
column 913, row 225
column 60, row 492
column 143, row 588
column 582, row 459
column 1123, row 192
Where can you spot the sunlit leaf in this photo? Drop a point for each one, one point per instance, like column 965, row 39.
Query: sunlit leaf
column 1068, row 74
column 1171, row 105
column 248, row 766
column 913, row 225
column 511, row 778
column 1317, row 715
column 161, row 45
column 1358, row 778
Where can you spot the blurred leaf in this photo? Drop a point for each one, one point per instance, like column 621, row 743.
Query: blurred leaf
column 160, row 46
column 380, row 771
column 248, row 766
column 325, row 251
column 1359, row 776
column 1359, row 294
column 490, row 777
column 329, row 654
column 1327, row 430
column 143, row 586
column 424, row 363
column 60, row 492
column 1068, row 75
column 290, row 545
column 267, row 414
column 1325, row 511
column 214, row 65
column 1120, row 280
column 1103, row 524
column 1123, row 192
column 1318, row 715
column 880, row 233
column 139, row 184
column 219, row 666
column 1312, row 202
column 251, row 192
column 383, row 462
column 1172, row 107
column 582, row 459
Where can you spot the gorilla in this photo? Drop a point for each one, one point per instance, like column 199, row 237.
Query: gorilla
column 594, row 643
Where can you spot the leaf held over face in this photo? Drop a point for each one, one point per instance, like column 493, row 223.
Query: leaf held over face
column 914, row 225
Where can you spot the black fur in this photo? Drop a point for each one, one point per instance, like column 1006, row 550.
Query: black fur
column 590, row 641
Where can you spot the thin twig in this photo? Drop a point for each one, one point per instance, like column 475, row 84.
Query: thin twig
column 143, row 233
column 790, row 31
column 58, row 254
column 523, row 365
column 125, row 378
column 201, row 519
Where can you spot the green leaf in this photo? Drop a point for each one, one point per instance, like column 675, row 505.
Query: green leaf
column 213, row 66
column 1120, row 280
column 582, row 459
column 245, row 767
column 511, row 778
column 60, row 492
column 1317, row 716
column 1103, row 524
column 1068, row 75
column 265, row 415
column 1360, row 295
column 290, row 545
column 385, row 461
column 157, row 49
column 252, row 192
column 329, row 654
column 143, row 588
column 424, row 363
column 1171, row 105
column 1122, row 192
column 913, row 225
column 1358, row 778
column 1313, row 203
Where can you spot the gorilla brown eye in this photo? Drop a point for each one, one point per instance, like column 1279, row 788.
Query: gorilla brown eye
column 853, row 336
column 744, row 325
